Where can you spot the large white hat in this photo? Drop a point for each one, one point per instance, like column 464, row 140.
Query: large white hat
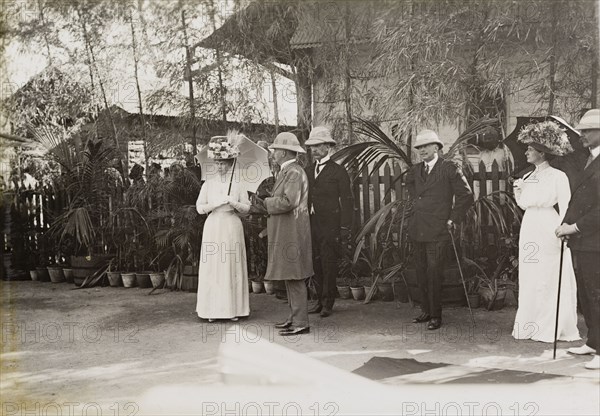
column 590, row 120
column 287, row 141
column 319, row 135
column 426, row 137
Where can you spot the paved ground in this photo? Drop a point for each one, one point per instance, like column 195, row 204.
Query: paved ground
column 112, row 346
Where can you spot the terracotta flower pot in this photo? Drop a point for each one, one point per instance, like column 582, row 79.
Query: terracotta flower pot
column 385, row 292
column 128, row 279
column 56, row 274
column 43, row 275
column 345, row 292
column 474, row 300
column 114, row 279
column 489, row 301
column 143, row 280
column 269, row 287
column 157, row 279
column 68, row 272
column 257, row 287
column 358, row 293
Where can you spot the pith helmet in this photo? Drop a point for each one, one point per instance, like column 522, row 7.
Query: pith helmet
column 426, row 137
column 319, row 135
column 590, row 120
column 287, row 141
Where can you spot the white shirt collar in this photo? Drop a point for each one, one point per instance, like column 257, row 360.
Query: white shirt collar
column 595, row 151
column 324, row 160
column 287, row 162
column 431, row 163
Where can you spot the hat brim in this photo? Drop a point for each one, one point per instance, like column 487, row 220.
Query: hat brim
column 289, row 147
column 419, row 145
column 541, row 148
column 316, row 142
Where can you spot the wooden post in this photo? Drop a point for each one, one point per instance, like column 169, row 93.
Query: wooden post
column 365, row 193
column 387, row 184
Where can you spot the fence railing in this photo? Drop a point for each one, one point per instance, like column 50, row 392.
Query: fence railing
column 373, row 192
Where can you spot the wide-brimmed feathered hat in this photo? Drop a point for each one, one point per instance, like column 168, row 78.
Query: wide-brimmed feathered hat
column 547, row 137
column 222, row 147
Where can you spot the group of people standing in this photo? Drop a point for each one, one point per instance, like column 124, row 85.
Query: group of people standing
column 555, row 212
column 309, row 215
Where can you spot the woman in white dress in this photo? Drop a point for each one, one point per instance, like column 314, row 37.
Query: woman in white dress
column 539, row 248
column 222, row 276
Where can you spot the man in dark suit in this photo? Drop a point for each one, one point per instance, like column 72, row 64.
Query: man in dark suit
column 581, row 226
column 331, row 207
column 441, row 197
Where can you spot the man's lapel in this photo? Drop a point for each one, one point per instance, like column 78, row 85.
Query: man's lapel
column 324, row 171
column 587, row 172
column 281, row 177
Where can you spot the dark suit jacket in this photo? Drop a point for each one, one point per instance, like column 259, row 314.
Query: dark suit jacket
column 433, row 197
column 584, row 210
column 330, row 195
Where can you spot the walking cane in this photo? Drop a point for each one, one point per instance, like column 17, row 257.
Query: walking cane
column 562, row 253
column 462, row 277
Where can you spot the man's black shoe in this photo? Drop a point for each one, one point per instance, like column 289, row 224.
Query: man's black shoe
column 435, row 323
column 315, row 309
column 424, row 317
column 294, row 331
column 325, row 313
column 283, row 325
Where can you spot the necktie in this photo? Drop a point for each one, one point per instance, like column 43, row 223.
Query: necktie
column 426, row 169
column 319, row 167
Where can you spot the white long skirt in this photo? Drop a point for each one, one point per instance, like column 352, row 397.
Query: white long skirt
column 222, row 276
column 539, row 261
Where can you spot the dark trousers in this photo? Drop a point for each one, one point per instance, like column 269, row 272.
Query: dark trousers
column 430, row 259
column 587, row 274
column 326, row 255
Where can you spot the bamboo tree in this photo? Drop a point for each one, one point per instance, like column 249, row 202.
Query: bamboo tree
column 275, row 102
column 553, row 58
column 347, row 76
column 188, row 61
column 222, row 91
column 93, row 67
column 139, row 91
column 44, row 33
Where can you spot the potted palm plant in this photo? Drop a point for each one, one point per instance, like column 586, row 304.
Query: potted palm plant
column 86, row 183
column 177, row 228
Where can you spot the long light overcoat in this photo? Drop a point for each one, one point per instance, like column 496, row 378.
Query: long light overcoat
column 288, row 226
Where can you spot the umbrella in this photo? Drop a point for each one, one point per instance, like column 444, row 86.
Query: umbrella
column 251, row 166
column 570, row 164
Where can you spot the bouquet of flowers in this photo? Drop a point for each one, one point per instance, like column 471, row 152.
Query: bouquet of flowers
column 547, row 134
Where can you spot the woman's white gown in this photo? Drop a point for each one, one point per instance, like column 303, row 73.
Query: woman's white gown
column 222, row 276
column 539, row 260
